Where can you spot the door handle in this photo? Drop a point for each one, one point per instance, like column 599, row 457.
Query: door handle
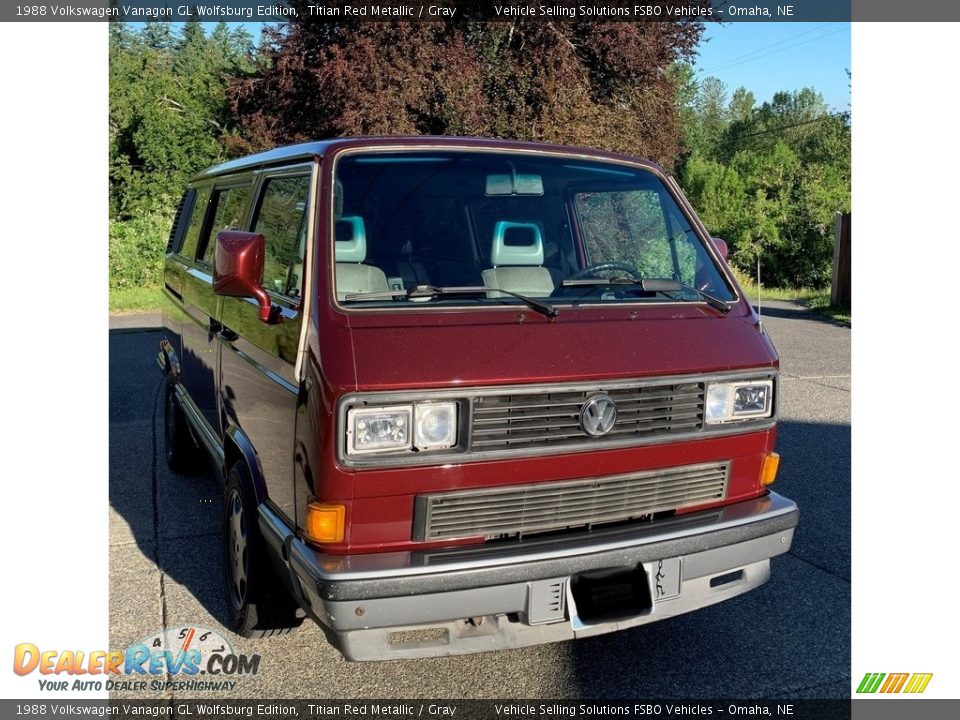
column 227, row 334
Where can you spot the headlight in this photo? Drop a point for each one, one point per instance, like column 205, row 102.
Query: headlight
column 738, row 401
column 435, row 426
column 378, row 429
column 425, row 426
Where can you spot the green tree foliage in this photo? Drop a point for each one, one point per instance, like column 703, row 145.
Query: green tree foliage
column 169, row 118
column 136, row 250
column 767, row 179
column 599, row 84
column 169, row 113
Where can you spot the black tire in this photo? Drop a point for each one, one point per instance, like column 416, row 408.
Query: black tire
column 258, row 604
column 182, row 453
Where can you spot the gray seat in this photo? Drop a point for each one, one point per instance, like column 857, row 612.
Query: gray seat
column 350, row 250
column 517, row 258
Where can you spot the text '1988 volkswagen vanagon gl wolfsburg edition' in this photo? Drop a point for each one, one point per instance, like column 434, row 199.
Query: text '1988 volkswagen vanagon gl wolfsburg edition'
column 468, row 394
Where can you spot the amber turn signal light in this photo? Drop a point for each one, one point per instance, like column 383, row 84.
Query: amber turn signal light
column 768, row 473
column 325, row 522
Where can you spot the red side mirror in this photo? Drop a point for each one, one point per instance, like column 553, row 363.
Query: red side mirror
column 721, row 246
column 238, row 268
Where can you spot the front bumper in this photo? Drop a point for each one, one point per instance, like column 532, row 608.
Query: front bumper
column 420, row 604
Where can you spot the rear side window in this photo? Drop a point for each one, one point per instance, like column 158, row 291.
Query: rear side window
column 229, row 208
column 193, row 222
column 281, row 219
column 179, row 228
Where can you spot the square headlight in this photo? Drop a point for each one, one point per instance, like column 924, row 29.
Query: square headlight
column 752, row 400
column 379, row 429
column 435, row 425
column 738, row 401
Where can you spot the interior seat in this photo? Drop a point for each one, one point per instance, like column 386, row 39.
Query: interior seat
column 350, row 250
column 404, row 268
column 517, row 258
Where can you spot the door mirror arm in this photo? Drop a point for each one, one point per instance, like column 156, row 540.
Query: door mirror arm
column 238, row 270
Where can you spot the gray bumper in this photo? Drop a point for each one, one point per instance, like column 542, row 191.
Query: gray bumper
column 402, row 605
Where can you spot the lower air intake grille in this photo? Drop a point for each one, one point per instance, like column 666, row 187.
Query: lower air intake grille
column 544, row 507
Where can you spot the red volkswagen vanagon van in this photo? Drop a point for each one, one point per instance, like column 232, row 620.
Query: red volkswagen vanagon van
column 468, row 394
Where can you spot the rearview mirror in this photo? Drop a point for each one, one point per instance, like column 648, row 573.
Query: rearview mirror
column 238, row 268
column 515, row 184
column 721, row 246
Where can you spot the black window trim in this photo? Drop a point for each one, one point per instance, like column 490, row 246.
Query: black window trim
column 248, row 181
column 263, row 177
column 181, row 221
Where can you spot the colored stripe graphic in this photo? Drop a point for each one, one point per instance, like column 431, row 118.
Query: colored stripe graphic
column 918, row 682
column 894, row 682
column 870, row 682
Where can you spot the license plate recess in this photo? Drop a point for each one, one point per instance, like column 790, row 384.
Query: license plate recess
column 611, row 594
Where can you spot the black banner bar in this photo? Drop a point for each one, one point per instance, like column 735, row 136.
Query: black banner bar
column 197, row 709
column 496, row 10
column 488, row 10
column 878, row 708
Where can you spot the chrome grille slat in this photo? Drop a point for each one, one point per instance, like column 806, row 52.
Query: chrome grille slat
column 692, row 409
column 629, row 485
column 633, row 430
column 651, row 503
column 573, row 502
column 550, row 506
column 573, row 408
column 524, row 423
column 501, row 422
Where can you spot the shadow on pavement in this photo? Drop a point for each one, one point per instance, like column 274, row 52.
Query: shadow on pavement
column 790, row 311
column 789, row 638
column 173, row 519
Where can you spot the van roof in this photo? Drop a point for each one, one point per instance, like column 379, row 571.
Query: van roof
column 316, row 149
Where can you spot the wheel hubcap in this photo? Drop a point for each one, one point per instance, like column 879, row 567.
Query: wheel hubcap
column 236, row 540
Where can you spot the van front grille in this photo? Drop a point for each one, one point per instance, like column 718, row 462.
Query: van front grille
column 550, row 506
column 502, row 422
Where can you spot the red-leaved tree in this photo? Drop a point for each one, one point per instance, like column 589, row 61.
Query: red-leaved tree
column 594, row 84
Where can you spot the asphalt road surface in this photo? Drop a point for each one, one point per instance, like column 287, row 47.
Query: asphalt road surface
column 789, row 639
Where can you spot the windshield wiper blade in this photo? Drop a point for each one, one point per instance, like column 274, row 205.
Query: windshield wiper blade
column 592, row 282
column 431, row 290
column 668, row 285
column 422, row 292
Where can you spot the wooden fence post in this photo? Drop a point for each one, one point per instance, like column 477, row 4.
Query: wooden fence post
column 840, row 288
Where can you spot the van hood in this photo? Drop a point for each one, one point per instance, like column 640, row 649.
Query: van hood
column 458, row 349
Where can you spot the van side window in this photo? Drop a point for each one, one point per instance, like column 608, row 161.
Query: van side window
column 229, row 208
column 197, row 213
column 281, row 219
column 179, row 227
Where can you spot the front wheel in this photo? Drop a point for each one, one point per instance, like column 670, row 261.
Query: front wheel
column 257, row 602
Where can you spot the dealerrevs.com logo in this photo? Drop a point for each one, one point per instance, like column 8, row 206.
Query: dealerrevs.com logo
column 894, row 683
column 186, row 658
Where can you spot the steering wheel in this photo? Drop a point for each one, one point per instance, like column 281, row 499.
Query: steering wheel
column 592, row 270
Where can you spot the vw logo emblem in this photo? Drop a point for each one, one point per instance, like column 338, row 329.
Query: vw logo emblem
column 598, row 415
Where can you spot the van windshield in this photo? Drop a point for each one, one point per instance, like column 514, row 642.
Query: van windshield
column 509, row 227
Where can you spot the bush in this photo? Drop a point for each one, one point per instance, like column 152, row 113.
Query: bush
column 137, row 249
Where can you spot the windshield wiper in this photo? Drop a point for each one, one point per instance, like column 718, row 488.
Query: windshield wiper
column 423, row 292
column 594, row 281
column 667, row 286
